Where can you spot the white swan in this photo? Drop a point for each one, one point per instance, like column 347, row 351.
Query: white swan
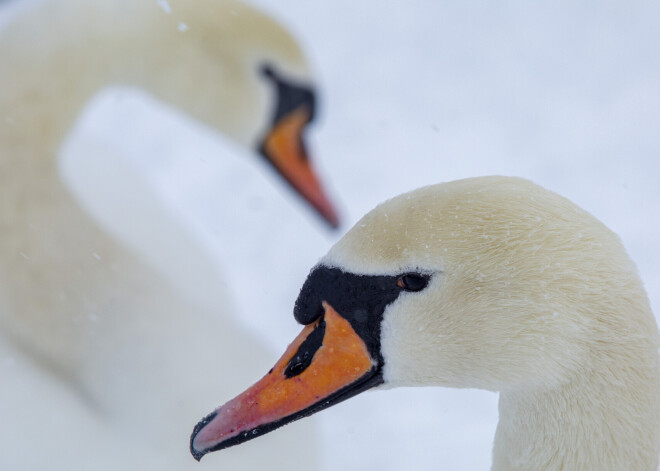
column 127, row 344
column 490, row 283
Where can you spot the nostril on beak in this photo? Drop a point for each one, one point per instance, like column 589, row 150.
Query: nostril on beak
column 305, row 354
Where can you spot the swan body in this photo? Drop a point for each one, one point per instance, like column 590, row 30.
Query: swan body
column 123, row 340
column 492, row 283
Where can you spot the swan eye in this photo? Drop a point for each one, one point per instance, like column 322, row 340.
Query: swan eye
column 412, row 282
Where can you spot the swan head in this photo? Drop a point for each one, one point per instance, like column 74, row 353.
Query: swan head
column 228, row 66
column 490, row 282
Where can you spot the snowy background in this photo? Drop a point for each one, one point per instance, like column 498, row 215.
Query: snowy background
column 566, row 94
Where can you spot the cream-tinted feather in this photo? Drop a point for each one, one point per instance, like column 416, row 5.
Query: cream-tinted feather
column 530, row 296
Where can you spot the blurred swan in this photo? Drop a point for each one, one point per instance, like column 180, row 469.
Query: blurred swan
column 491, row 283
column 103, row 345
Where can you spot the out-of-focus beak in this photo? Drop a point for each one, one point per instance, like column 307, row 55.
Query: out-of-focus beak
column 283, row 146
column 327, row 363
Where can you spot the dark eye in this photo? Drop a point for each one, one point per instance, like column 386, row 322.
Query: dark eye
column 412, row 282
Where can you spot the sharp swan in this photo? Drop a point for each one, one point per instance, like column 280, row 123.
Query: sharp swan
column 490, row 283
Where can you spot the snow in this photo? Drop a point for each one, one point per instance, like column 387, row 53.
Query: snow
column 165, row 5
column 566, row 94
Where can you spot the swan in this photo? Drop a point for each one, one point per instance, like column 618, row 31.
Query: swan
column 492, row 283
column 103, row 328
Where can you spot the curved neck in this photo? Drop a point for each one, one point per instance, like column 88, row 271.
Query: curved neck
column 605, row 418
column 60, row 272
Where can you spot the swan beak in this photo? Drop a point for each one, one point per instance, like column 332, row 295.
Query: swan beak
column 327, row 363
column 285, row 149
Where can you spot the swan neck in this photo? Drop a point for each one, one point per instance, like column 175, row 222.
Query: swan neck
column 603, row 419
column 51, row 246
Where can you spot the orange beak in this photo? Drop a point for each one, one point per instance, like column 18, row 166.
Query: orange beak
column 284, row 148
column 327, row 363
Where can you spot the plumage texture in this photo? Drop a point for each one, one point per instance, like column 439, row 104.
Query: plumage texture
column 531, row 296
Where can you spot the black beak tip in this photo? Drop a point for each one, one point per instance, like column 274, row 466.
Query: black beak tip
column 198, row 454
column 334, row 224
